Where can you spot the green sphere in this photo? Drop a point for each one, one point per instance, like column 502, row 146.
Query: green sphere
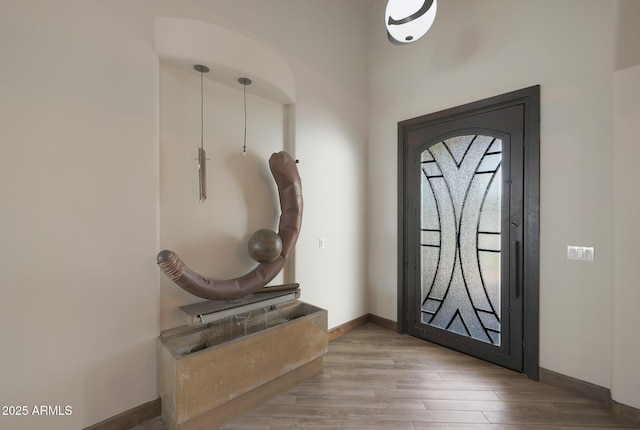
column 265, row 246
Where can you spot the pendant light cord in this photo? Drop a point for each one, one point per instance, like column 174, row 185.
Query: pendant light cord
column 244, row 145
column 201, row 111
column 244, row 82
column 202, row 69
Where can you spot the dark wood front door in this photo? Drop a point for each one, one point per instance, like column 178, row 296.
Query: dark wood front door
column 469, row 228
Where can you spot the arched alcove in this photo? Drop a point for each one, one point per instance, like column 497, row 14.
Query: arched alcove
column 230, row 55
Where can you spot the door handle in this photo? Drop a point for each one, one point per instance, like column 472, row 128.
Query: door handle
column 514, row 268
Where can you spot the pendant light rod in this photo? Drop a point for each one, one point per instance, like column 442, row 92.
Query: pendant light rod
column 245, row 82
column 202, row 155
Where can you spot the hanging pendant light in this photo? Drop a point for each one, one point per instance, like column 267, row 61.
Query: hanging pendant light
column 245, row 82
column 409, row 20
column 202, row 155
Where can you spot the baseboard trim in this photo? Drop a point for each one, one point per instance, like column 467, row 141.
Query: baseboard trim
column 625, row 414
column 618, row 411
column 382, row 322
column 130, row 418
column 587, row 389
column 345, row 328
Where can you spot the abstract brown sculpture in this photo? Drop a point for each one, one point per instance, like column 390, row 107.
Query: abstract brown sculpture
column 284, row 171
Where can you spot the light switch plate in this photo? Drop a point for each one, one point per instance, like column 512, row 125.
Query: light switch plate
column 580, row 253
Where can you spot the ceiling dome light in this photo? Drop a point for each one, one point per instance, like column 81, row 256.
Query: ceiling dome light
column 409, row 20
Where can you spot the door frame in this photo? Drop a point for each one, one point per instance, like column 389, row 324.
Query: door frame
column 530, row 99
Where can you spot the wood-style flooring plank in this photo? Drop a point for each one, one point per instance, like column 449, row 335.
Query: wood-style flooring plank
column 436, row 394
column 418, row 416
column 286, row 411
column 323, row 424
column 549, row 418
column 529, row 407
column 249, row 423
column 458, row 426
column 365, row 403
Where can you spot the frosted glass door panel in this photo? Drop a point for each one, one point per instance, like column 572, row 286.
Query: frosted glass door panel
column 460, row 219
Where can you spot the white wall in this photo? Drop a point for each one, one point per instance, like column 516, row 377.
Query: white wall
column 79, row 217
column 80, row 175
column 480, row 49
column 626, row 236
column 625, row 378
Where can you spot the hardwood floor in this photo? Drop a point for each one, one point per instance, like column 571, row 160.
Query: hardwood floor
column 377, row 379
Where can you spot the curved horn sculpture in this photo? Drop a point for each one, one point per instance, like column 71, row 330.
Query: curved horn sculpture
column 284, row 171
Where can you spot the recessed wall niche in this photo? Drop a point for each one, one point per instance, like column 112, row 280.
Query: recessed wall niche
column 242, row 197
